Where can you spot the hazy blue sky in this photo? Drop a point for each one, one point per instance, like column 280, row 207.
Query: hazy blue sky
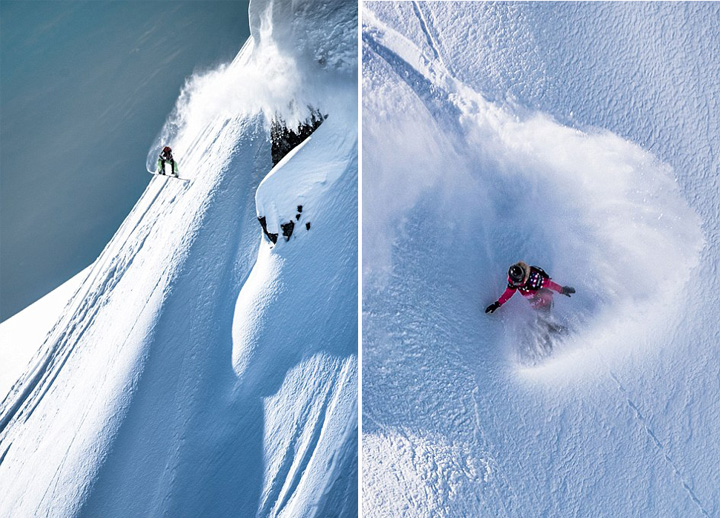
column 84, row 89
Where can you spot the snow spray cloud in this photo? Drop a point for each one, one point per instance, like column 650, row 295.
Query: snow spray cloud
column 597, row 211
column 269, row 76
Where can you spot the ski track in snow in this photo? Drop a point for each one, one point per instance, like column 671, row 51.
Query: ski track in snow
column 90, row 301
column 540, row 462
column 426, row 30
column 84, row 305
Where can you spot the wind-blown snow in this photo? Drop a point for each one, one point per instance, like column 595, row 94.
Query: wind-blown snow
column 460, row 181
column 138, row 406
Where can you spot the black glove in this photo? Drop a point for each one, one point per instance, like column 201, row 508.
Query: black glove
column 492, row 307
column 567, row 290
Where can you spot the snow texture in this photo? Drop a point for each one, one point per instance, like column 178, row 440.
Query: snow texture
column 199, row 370
column 581, row 138
column 23, row 334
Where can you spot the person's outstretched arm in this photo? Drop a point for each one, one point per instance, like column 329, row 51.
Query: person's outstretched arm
column 509, row 292
column 564, row 290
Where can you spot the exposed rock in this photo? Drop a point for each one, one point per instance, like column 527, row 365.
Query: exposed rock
column 263, row 224
column 287, row 229
column 285, row 139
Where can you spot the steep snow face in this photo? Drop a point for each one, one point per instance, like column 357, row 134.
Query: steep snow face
column 139, row 405
column 299, row 307
column 461, row 179
column 23, row 334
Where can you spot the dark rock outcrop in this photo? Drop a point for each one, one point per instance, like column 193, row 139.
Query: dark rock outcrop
column 287, row 229
column 263, row 224
column 285, row 139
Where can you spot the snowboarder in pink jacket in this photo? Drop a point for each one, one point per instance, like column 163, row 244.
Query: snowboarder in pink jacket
column 534, row 284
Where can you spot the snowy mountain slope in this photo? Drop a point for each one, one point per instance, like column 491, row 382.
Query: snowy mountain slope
column 109, row 97
column 23, row 334
column 460, row 181
column 139, row 406
column 298, row 289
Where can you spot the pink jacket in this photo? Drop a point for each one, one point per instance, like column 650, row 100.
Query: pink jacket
column 537, row 290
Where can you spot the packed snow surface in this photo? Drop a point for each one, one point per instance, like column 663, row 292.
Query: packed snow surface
column 200, row 370
column 484, row 143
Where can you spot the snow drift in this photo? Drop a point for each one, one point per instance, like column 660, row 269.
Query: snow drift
column 138, row 405
column 458, row 184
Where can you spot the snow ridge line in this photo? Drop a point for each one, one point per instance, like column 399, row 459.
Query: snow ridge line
column 88, row 312
column 663, row 450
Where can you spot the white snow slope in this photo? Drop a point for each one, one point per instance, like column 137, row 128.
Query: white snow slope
column 581, row 137
column 23, row 334
column 200, row 370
